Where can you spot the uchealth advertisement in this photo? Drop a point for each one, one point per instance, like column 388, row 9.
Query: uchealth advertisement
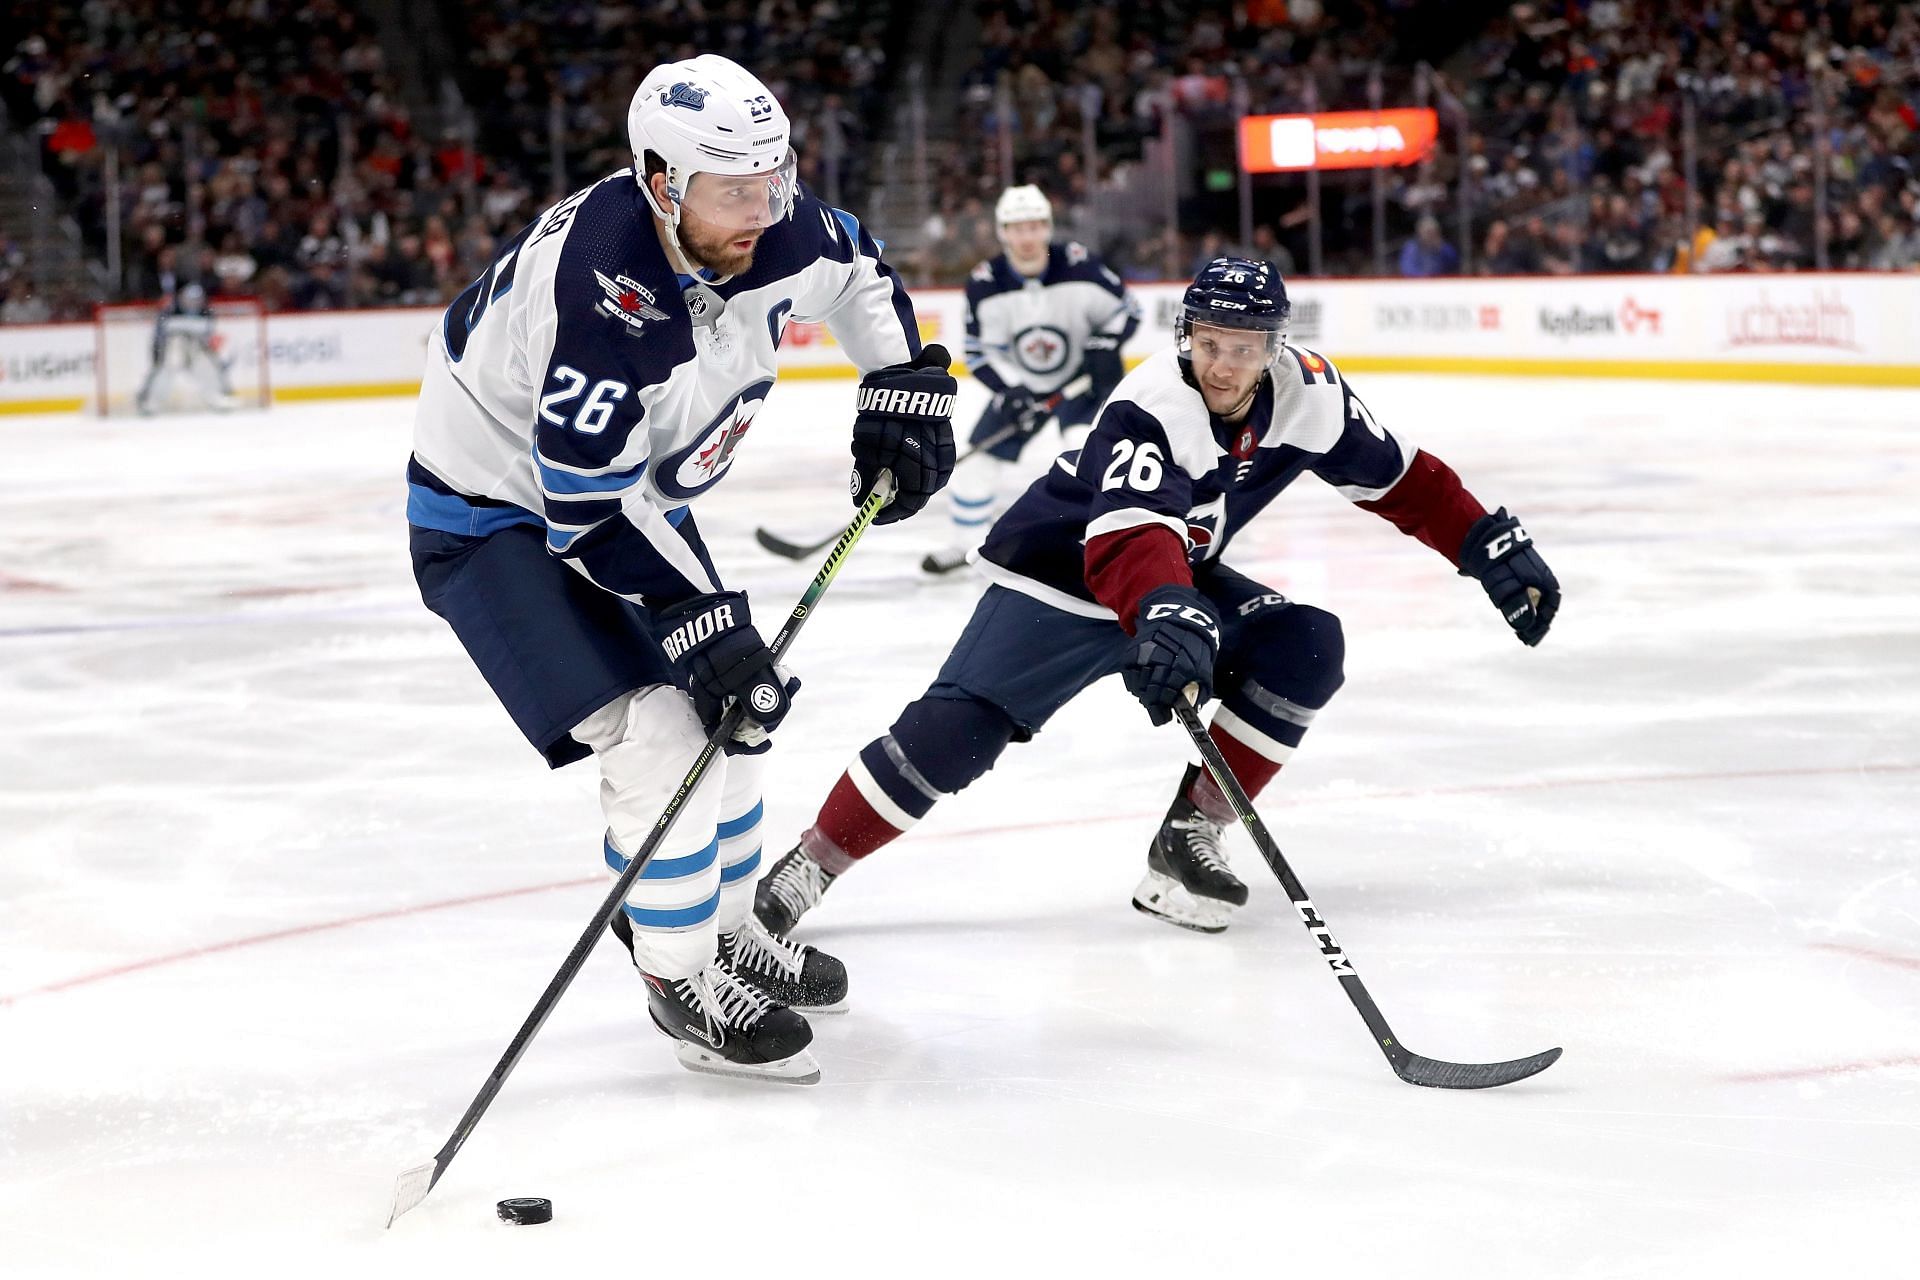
column 1794, row 327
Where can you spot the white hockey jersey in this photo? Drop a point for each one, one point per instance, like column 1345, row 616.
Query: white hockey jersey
column 572, row 387
column 1033, row 331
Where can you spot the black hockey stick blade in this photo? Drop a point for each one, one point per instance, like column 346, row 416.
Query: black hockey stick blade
column 1409, row 1066
column 792, row 550
column 1435, row 1074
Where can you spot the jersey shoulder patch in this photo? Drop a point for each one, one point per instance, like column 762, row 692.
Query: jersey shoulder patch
column 1311, row 406
column 1312, row 367
column 1072, row 262
column 991, row 278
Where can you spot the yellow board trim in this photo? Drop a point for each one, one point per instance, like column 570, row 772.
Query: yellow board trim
column 1862, row 375
column 72, row 404
column 348, row 391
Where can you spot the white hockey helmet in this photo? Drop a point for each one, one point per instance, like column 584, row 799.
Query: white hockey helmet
column 711, row 115
column 1022, row 204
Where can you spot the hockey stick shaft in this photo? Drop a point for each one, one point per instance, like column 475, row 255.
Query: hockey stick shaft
column 1409, row 1066
column 770, row 541
column 415, row 1183
column 799, row 551
column 1296, row 892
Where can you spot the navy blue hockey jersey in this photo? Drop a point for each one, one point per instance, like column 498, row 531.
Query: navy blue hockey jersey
column 1158, row 457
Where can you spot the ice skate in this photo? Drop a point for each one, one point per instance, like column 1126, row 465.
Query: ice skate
column 1188, row 882
column 789, row 891
column 724, row 1027
column 789, row 973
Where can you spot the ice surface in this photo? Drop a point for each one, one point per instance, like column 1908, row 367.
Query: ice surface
column 279, row 880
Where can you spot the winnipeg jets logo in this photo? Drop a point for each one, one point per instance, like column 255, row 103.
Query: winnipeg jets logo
column 1043, row 348
column 682, row 94
column 628, row 301
column 696, row 467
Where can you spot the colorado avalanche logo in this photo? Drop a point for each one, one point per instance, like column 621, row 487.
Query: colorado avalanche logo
column 1041, row 349
column 697, row 467
column 682, row 94
column 1203, row 529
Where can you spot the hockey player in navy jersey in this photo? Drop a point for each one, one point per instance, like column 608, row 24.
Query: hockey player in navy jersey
column 1045, row 326
column 579, row 399
column 1111, row 562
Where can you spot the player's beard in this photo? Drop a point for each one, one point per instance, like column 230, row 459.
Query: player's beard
column 715, row 249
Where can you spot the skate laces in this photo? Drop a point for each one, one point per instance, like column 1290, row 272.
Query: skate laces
column 797, row 884
column 720, row 993
column 755, row 948
column 1203, row 842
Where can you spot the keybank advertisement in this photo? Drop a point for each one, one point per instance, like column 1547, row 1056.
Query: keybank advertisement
column 1841, row 328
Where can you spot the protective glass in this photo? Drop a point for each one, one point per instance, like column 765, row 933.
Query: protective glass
column 1231, row 348
column 743, row 202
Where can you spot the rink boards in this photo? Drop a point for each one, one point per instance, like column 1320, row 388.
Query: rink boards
column 1811, row 328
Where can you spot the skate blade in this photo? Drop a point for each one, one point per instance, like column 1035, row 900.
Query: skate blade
column 799, row 1069
column 1165, row 898
column 839, row 1006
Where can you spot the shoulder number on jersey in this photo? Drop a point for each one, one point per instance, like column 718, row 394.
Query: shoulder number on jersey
column 1145, row 473
column 1359, row 412
column 593, row 414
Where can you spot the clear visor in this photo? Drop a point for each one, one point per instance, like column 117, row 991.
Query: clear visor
column 1230, row 348
column 742, row 202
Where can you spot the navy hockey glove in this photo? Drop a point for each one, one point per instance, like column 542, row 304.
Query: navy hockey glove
column 1500, row 553
column 1103, row 366
column 904, row 424
column 1174, row 646
column 1019, row 410
column 719, row 657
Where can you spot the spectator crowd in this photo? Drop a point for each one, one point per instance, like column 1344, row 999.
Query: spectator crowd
column 1566, row 131
column 266, row 148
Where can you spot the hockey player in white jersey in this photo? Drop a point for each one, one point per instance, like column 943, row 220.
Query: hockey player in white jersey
column 1045, row 327
column 579, row 398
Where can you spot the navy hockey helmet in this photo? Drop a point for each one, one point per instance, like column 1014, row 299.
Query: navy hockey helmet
column 1235, row 293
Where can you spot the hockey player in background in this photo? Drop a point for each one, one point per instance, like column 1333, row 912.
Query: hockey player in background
column 1111, row 562
column 185, row 345
column 579, row 398
column 1045, row 325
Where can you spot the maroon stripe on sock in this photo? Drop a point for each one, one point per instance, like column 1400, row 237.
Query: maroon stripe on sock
column 850, row 823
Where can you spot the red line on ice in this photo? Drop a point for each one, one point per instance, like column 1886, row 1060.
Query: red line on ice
column 971, row 833
column 278, row 935
column 1870, row 953
column 1814, row 1073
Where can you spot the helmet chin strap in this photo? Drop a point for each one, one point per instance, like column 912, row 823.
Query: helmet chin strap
column 704, row 304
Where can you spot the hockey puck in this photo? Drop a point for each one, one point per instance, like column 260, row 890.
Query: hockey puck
column 525, row 1211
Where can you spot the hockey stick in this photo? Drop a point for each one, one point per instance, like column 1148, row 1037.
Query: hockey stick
column 414, row 1183
column 791, row 550
column 1409, row 1066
